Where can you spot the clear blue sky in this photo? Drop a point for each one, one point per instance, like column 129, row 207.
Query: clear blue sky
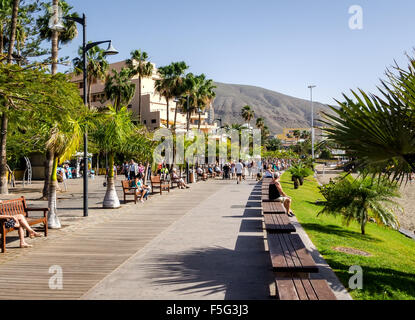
column 282, row 45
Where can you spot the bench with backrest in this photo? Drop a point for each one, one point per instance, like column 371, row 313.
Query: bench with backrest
column 157, row 182
column 19, row 206
column 130, row 191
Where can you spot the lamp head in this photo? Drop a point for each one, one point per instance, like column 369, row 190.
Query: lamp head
column 110, row 50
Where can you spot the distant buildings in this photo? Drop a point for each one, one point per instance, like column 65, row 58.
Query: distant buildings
column 153, row 106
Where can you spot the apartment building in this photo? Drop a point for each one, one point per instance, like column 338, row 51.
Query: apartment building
column 153, row 106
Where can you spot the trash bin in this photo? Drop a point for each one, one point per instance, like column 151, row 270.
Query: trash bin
column 191, row 177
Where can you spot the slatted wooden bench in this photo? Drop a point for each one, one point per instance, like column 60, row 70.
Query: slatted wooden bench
column 272, row 207
column 297, row 288
column 278, row 223
column 15, row 207
column 130, row 191
column 156, row 182
column 288, row 254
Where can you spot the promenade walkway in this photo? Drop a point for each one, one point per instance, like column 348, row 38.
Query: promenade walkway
column 201, row 243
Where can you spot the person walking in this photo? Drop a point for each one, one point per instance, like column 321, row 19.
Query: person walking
column 133, row 170
column 239, row 167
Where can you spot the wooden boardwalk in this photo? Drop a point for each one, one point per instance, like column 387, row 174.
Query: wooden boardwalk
column 88, row 255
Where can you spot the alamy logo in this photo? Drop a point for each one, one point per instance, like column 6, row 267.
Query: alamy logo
column 198, row 147
column 356, row 20
column 56, row 281
column 356, row 281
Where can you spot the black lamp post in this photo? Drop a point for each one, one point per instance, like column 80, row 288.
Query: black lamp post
column 85, row 47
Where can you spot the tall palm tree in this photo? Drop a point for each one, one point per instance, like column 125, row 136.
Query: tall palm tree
column 140, row 66
column 177, row 80
column 260, row 123
column 4, row 120
column 97, row 66
column 119, row 88
column 189, row 101
column 67, row 35
column 247, row 114
column 206, row 96
column 164, row 88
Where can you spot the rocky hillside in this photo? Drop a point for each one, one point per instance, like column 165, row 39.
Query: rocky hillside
column 279, row 110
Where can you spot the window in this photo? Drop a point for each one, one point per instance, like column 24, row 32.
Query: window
column 153, row 121
column 145, row 121
column 80, row 85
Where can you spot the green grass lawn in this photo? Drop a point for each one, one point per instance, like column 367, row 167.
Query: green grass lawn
column 389, row 273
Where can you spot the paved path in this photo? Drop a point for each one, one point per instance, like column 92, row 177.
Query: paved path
column 91, row 252
column 215, row 251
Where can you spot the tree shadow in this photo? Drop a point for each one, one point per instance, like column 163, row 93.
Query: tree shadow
column 339, row 231
column 240, row 274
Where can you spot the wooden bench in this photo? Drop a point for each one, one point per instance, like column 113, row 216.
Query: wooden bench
column 288, row 254
column 298, row 288
column 272, row 207
column 15, row 207
column 278, row 223
column 130, row 191
column 156, row 182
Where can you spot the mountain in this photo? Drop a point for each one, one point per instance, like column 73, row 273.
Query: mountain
column 279, row 110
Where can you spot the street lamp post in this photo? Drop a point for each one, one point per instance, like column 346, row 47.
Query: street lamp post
column 85, row 47
column 312, row 120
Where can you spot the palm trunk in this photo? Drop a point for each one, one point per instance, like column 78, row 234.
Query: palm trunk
column 168, row 112
column 111, row 200
column 5, row 119
column 139, row 98
column 3, row 154
column 198, row 125
column 53, row 220
column 1, row 37
column 89, row 93
column 188, row 121
column 48, row 173
column 175, row 117
column 54, row 69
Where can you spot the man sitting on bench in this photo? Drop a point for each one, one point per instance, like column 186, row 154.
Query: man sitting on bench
column 277, row 194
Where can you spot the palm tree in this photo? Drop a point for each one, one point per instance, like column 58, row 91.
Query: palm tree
column 164, row 88
column 297, row 134
column 119, row 88
column 206, row 95
column 140, row 66
column 64, row 140
column 113, row 133
column 247, row 113
column 177, row 80
column 362, row 198
column 67, row 35
column 97, row 67
column 260, row 123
